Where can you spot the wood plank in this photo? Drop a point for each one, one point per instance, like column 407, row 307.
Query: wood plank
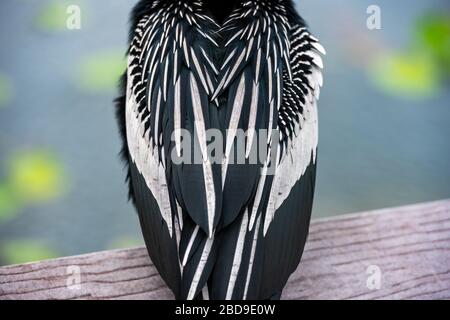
column 409, row 245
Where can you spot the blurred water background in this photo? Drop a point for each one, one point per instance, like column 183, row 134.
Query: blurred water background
column 384, row 118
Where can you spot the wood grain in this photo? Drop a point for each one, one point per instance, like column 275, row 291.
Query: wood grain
column 409, row 245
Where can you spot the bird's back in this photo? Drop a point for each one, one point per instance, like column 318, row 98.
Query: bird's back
column 219, row 121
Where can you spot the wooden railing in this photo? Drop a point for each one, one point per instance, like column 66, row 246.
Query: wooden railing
column 396, row 253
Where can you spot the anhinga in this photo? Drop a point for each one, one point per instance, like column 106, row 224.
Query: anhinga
column 222, row 230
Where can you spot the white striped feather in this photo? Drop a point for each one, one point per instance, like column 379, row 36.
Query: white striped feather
column 230, row 75
column 177, row 117
column 205, row 292
column 252, row 258
column 259, row 191
column 200, row 267
column 146, row 158
column 233, row 124
column 199, row 71
column 189, row 246
column 237, row 259
column 207, row 169
column 252, row 119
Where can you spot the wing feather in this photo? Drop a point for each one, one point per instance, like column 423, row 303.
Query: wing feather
column 167, row 91
column 289, row 80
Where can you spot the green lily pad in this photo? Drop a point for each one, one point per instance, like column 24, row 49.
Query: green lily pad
column 101, row 72
column 5, row 90
column 52, row 17
column 22, row 251
column 433, row 36
column 9, row 204
column 36, row 176
column 408, row 76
